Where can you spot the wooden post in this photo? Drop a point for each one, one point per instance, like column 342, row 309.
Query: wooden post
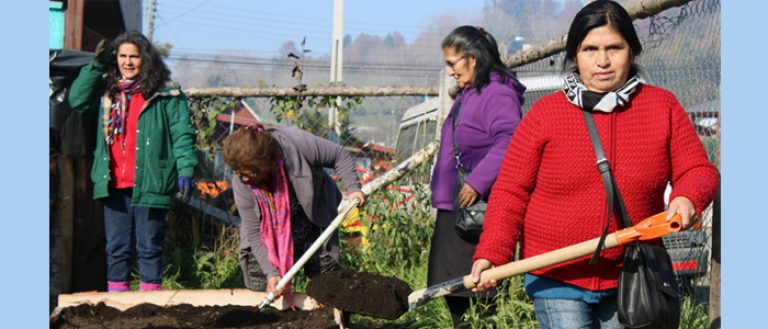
column 67, row 219
column 73, row 25
column 714, row 279
column 89, row 265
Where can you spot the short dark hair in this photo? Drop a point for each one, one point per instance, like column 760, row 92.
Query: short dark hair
column 481, row 45
column 596, row 14
column 153, row 72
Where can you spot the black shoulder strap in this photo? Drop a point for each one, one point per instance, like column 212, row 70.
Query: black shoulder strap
column 611, row 189
column 455, row 119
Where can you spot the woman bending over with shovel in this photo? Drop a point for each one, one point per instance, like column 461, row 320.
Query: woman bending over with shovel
column 549, row 193
column 285, row 199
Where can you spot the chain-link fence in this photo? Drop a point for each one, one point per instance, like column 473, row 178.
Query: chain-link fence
column 366, row 126
column 681, row 53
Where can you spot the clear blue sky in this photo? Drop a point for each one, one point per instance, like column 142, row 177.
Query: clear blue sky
column 261, row 27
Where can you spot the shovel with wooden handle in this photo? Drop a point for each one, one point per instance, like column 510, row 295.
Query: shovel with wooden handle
column 297, row 265
column 344, row 209
column 651, row 228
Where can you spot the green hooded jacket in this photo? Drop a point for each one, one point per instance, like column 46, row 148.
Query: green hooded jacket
column 165, row 139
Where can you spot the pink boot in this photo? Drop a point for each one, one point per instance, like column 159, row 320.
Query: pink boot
column 121, row 286
column 149, row 286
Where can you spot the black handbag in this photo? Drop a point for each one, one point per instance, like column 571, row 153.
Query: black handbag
column 469, row 221
column 648, row 294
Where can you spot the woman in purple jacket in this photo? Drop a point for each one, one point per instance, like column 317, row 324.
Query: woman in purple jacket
column 487, row 108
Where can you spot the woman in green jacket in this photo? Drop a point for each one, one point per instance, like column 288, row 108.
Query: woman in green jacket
column 145, row 151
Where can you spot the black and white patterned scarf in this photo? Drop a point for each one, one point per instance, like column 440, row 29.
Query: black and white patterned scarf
column 579, row 95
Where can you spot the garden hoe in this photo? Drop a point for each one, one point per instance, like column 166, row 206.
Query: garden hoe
column 651, row 228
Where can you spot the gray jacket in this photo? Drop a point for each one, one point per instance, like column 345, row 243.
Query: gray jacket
column 305, row 155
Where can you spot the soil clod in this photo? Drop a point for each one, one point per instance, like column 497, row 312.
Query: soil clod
column 362, row 293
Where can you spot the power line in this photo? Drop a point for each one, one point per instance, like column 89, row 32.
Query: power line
column 241, row 29
column 188, row 11
column 229, row 17
column 415, row 51
column 270, row 14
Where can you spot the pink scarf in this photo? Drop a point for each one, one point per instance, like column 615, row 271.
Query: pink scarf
column 276, row 225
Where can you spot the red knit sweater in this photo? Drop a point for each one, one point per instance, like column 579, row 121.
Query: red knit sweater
column 549, row 192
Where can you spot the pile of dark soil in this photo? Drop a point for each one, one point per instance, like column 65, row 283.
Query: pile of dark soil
column 189, row 317
column 360, row 292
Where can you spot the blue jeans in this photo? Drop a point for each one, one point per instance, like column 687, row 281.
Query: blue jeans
column 125, row 226
column 576, row 314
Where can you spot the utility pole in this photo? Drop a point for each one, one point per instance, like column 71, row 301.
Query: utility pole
column 337, row 59
column 337, row 41
column 151, row 20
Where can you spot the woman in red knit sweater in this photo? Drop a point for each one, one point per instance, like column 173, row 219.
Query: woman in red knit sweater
column 549, row 193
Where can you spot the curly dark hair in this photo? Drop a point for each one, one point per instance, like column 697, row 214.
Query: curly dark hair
column 153, row 73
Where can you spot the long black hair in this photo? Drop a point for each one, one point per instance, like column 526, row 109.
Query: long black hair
column 596, row 14
column 153, row 72
column 477, row 43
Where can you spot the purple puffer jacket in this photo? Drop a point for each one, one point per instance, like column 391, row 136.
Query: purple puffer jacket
column 486, row 123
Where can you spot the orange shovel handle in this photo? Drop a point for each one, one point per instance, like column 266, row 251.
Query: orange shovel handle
column 650, row 228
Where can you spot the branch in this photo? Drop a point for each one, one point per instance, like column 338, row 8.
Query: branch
column 316, row 91
column 637, row 9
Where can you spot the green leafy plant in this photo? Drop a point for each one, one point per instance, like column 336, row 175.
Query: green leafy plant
column 219, row 267
column 308, row 112
column 204, row 111
column 510, row 308
column 693, row 315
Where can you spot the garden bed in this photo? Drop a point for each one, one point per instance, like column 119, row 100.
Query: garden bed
column 88, row 316
column 172, row 309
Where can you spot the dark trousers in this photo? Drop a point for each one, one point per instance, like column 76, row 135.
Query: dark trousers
column 125, row 226
column 450, row 257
